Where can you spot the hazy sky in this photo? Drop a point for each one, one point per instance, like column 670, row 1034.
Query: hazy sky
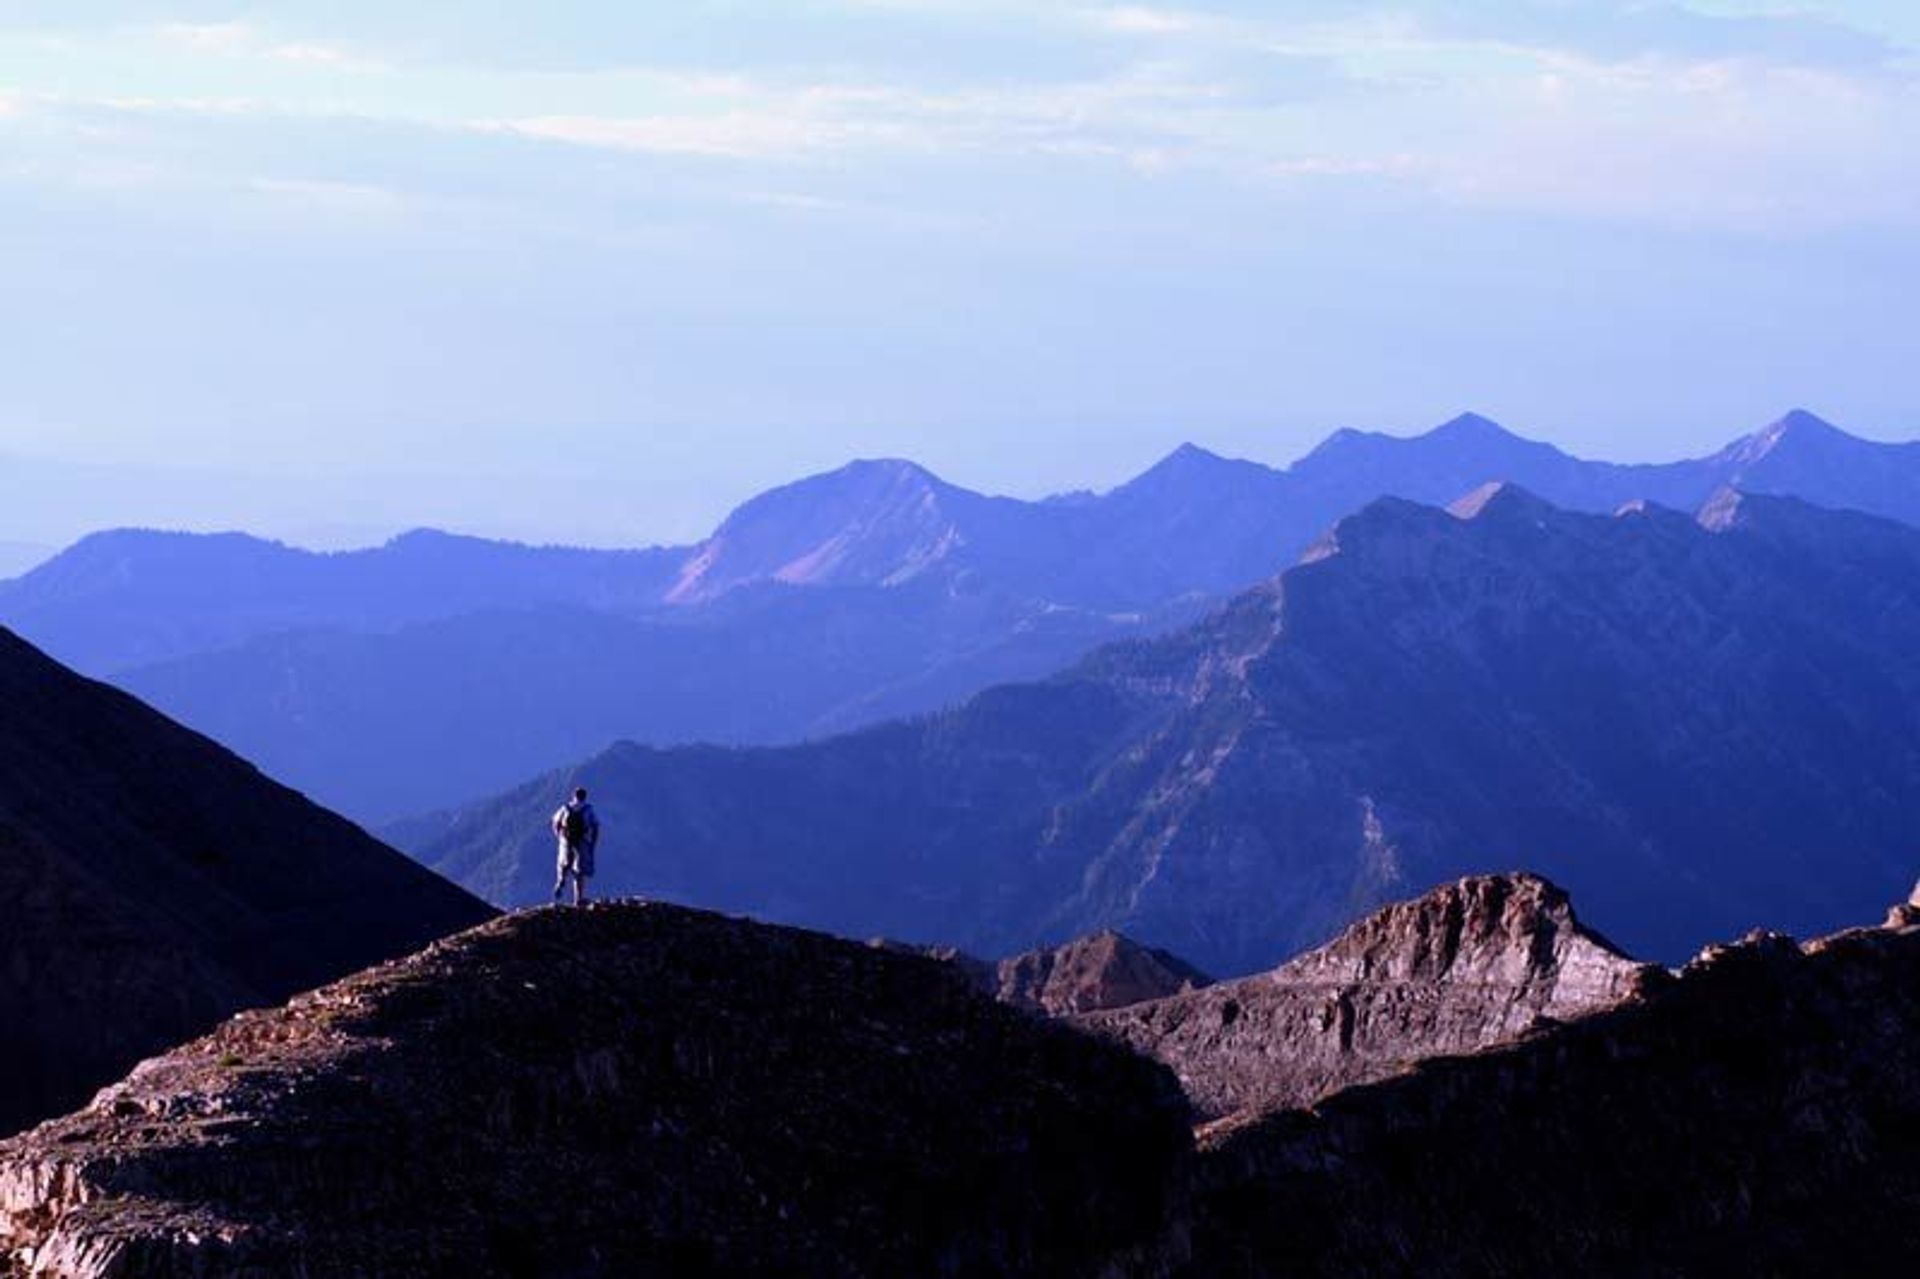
column 598, row 270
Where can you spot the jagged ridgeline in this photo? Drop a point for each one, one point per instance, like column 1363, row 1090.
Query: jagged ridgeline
column 152, row 883
column 1698, row 724
column 642, row 1089
column 437, row 670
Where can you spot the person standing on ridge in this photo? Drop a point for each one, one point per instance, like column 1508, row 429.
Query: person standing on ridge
column 578, row 829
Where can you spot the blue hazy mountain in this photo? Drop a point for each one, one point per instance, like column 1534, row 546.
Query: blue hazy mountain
column 437, row 668
column 1700, row 724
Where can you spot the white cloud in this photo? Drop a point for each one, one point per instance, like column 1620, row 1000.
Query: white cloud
column 246, row 40
column 1140, row 20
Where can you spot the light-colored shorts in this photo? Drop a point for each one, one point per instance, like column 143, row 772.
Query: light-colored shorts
column 575, row 859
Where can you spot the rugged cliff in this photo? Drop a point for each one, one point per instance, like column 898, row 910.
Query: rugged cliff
column 622, row 1090
column 1104, row 970
column 1760, row 1115
column 1471, row 964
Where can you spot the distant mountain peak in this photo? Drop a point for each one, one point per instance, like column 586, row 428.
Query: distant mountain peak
column 1501, row 498
column 1184, row 465
column 890, row 468
column 1803, row 420
column 1798, row 429
column 876, row 521
column 1471, row 426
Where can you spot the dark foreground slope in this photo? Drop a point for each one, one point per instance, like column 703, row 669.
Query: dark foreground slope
column 1696, row 725
column 648, row 1090
column 620, row 1091
column 1469, row 965
column 151, row 883
column 1759, row 1116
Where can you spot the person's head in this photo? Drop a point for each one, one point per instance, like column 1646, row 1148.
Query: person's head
column 579, row 794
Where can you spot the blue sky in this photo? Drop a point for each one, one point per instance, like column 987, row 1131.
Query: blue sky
column 595, row 271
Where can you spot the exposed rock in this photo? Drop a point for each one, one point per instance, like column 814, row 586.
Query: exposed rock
column 152, row 883
column 1760, row 1115
column 617, row 1091
column 1105, row 970
column 1907, row 914
column 1472, row 964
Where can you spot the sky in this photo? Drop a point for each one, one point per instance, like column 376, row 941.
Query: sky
column 596, row 271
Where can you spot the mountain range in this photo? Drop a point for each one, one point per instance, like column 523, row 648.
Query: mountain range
column 438, row 669
column 1699, row 724
column 151, row 883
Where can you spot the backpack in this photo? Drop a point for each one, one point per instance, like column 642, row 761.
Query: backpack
column 574, row 825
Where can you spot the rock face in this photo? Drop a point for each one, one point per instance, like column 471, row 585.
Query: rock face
column 151, row 883
column 1696, row 728
column 1760, row 1115
column 622, row 1090
column 1473, row 964
column 1105, row 970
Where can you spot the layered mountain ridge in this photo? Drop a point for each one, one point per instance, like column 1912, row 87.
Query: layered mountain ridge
column 397, row 681
column 1696, row 729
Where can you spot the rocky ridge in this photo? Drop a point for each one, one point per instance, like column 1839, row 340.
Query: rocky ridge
column 1100, row 971
column 1758, row 1115
column 1476, row 963
column 622, row 1090
column 721, row 1097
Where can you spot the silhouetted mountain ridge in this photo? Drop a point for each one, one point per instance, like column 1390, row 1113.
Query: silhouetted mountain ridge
column 151, row 883
column 877, row 589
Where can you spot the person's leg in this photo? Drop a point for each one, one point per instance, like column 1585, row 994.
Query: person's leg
column 561, row 865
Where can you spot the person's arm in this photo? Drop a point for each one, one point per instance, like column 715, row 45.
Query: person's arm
column 593, row 825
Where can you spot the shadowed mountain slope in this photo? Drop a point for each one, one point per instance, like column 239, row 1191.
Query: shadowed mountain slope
column 151, row 883
column 1696, row 727
column 617, row 1091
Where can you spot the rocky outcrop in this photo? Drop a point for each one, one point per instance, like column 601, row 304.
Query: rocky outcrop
column 1104, row 970
column 1472, row 964
column 1760, row 1115
column 151, row 883
column 628, row 1089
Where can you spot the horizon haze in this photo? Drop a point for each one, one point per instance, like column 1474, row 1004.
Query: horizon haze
column 597, row 278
